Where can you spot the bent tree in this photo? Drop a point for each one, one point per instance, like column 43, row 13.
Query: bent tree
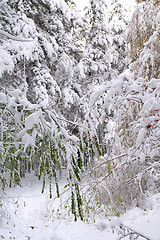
column 33, row 130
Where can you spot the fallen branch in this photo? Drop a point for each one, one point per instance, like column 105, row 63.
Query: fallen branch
column 126, row 231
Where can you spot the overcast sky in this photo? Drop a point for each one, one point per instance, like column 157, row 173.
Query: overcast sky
column 82, row 3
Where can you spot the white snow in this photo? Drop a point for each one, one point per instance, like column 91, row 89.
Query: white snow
column 141, row 136
column 6, row 63
column 32, row 120
column 29, row 140
column 25, row 214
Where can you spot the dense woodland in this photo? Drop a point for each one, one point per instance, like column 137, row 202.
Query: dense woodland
column 81, row 93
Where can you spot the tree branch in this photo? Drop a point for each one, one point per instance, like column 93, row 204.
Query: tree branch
column 3, row 2
column 76, row 124
column 8, row 35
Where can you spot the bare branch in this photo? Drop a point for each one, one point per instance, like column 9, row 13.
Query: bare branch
column 76, row 124
column 8, row 35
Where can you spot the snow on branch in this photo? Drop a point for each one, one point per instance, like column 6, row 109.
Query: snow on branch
column 3, row 2
column 8, row 35
column 63, row 131
column 76, row 124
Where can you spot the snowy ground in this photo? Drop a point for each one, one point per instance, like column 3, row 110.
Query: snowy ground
column 24, row 215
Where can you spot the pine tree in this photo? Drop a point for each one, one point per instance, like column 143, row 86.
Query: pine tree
column 94, row 67
column 46, row 64
column 118, row 21
column 33, row 76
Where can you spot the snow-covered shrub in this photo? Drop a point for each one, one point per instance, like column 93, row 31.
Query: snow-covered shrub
column 131, row 166
column 131, row 103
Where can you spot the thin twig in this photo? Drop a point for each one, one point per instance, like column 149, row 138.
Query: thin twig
column 65, row 120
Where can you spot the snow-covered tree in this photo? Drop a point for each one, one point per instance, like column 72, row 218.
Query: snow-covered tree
column 49, row 57
column 131, row 167
column 39, row 52
column 95, row 63
column 93, row 69
column 118, row 20
column 103, row 57
column 142, row 40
